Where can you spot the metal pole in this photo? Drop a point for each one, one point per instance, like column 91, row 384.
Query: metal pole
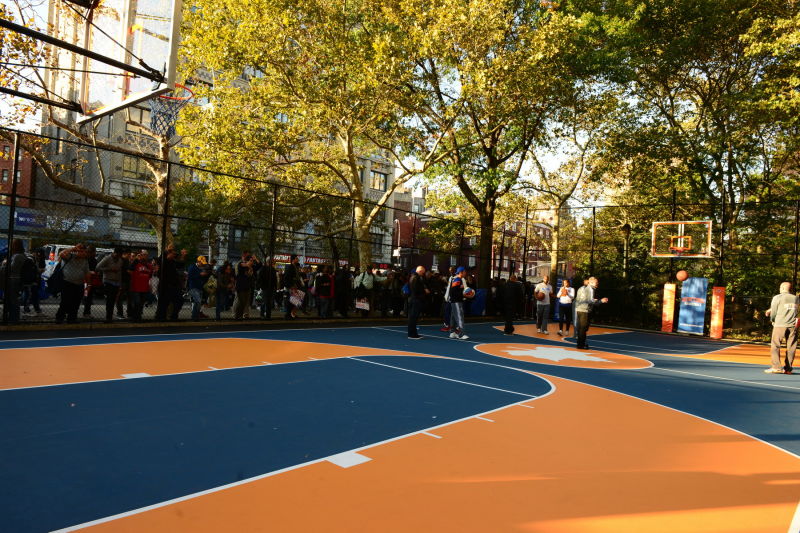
column 413, row 239
column 461, row 245
column 12, row 205
column 591, row 258
column 352, row 232
column 525, row 247
column 796, row 242
column 720, row 267
column 673, row 213
column 502, row 245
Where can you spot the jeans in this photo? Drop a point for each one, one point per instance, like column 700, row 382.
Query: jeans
column 564, row 317
column 136, row 301
column 111, row 299
column 414, row 310
column 30, row 297
column 542, row 315
column 196, row 296
column 71, row 294
column 581, row 327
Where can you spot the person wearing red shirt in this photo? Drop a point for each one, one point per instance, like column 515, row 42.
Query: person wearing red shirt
column 141, row 271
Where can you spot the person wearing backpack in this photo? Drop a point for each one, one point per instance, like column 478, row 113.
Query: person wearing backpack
column 31, row 282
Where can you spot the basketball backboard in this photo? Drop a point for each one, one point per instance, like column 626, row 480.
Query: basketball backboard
column 143, row 34
column 688, row 238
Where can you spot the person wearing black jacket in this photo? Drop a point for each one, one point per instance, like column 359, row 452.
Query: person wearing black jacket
column 513, row 302
column 416, row 300
column 170, row 290
column 342, row 291
column 291, row 281
column 267, row 281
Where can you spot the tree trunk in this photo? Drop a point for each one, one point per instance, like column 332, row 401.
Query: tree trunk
column 554, row 246
column 364, row 244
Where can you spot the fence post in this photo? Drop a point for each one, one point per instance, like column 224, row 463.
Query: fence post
column 461, row 245
column 502, row 246
column 352, row 232
column 591, row 257
column 413, row 240
column 796, row 242
column 273, row 221
column 12, row 206
column 525, row 247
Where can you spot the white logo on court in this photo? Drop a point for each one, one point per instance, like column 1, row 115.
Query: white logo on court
column 553, row 354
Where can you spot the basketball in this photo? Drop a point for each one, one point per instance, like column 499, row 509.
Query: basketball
column 469, row 292
column 682, row 275
column 540, row 295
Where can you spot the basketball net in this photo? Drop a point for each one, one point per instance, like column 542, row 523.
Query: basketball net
column 164, row 111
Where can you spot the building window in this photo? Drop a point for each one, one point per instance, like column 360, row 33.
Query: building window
column 19, row 175
column 139, row 121
column 378, row 180
column 5, row 176
column 471, row 261
column 134, row 168
column 6, row 152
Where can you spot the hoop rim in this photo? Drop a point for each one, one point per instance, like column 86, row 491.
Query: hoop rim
column 179, row 98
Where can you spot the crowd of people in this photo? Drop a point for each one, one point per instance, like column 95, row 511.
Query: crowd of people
column 129, row 281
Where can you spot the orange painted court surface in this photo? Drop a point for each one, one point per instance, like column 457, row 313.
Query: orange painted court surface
column 595, row 454
column 561, row 464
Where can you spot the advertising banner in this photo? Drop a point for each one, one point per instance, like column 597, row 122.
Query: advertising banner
column 717, row 311
column 692, row 316
column 668, row 307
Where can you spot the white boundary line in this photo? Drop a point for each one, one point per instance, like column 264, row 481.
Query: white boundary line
column 298, row 466
column 759, row 383
column 355, row 358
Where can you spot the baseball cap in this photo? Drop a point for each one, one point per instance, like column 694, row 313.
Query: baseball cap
column 460, row 270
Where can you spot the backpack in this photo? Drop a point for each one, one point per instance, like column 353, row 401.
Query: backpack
column 29, row 272
column 56, row 280
column 406, row 290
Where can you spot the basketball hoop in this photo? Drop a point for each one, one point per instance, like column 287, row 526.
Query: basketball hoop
column 164, row 110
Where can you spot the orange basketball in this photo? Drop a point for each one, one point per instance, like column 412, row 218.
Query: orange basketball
column 682, row 275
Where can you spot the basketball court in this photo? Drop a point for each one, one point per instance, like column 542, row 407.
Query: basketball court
column 362, row 429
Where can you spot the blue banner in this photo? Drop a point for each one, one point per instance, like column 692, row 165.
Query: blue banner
column 692, row 317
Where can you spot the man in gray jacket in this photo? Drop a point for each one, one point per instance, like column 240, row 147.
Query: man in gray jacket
column 584, row 302
column 783, row 313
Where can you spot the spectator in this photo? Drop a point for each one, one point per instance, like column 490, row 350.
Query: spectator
column 324, row 288
column 93, row 282
column 267, row 282
column 32, row 282
column 140, row 271
column 292, row 283
column 543, row 291
column 244, row 286
column 14, row 273
column 342, row 294
column 416, row 300
column 170, row 293
column 197, row 275
column 75, row 269
column 110, row 267
column 125, row 283
column 364, row 285
column 225, row 284
column 513, row 302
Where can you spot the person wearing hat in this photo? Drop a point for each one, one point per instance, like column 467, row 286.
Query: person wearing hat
column 456, row 296
column 197, row 275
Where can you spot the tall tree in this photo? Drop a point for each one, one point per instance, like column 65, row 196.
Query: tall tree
column 303, row 91
column 488, row 74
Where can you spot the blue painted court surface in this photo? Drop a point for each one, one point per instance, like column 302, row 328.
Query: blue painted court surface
column 76, row 452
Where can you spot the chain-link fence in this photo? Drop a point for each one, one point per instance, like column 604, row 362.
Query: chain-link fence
column 57, row 193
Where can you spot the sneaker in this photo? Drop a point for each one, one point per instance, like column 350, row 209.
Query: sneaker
column 454, row 335
column 773, row 371
column 463, row 338
column 538, row 331
column 561, row 333
column 787, row 371
column 545, row 332
column 509, row 334
column 415, row 337
column 445, row 328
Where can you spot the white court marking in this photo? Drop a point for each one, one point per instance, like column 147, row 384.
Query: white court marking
column 431, row 435
column 759, row 383
column 485, row 419
column 348, row 459
column 136, row 375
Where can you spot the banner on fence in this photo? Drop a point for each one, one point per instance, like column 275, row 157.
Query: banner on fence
column 668, row 307
column 692, row 316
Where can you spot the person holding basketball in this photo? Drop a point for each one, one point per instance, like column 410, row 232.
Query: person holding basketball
column 542, row 293
column 566, row 295
column 584, row 303
column 456, row 296
column 783, row 314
